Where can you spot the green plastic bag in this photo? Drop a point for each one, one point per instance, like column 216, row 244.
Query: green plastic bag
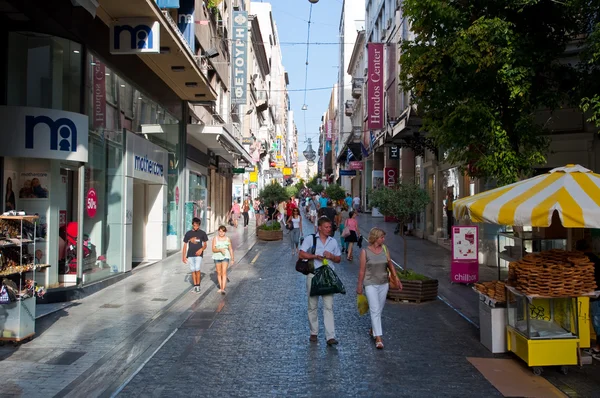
column 326, row 282
column 362, row 303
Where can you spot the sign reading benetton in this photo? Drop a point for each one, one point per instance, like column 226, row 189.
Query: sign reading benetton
column 43, row 133
column 240, row 57
column 375, row 85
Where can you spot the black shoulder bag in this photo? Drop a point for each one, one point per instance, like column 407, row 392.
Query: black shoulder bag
column 304, row 266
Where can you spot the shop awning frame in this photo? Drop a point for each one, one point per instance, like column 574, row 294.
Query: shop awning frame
column 190, row 84
column 218, row 139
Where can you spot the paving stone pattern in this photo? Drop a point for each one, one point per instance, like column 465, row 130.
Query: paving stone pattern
column 256, row 344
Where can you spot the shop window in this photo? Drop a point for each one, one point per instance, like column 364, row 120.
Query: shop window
column 44, row 71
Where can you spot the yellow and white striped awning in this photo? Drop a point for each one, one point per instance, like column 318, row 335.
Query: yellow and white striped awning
column 573, row 191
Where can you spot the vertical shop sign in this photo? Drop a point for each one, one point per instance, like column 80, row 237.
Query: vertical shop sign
column 394, row 152
column 91, row 203
column 390, row 178
column 62, row 218
column 240, row 57
column 99, row 94
column 329, row 130
column 185, row 22
column 375, row 85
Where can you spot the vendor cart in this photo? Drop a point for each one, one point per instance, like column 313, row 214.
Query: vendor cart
column 547, row 329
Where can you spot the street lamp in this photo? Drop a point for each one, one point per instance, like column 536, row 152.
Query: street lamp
column 313, row 1
column 309, row 153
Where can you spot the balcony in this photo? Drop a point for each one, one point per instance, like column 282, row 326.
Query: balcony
column 176, row 64
column 357, row 87
column 349, row 107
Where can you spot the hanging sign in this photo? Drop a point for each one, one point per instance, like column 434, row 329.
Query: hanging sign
column 394, row 152
column 347, row 172
column 355, row 165
column 134, row 36
column 91, row 203
column 375, row 86
column 240, row 57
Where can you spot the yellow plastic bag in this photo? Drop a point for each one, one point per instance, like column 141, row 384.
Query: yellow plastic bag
column 362, row 303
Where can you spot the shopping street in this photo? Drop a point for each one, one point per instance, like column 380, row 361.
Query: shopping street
column 149, row 335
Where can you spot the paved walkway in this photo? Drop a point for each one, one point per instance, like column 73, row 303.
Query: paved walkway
column 253, row 342
column 88, row 349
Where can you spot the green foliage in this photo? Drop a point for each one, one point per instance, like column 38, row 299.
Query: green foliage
column 314, row 185
column 402, row 201
column 291, row 191
column 273, row 192
column 299, row 185
column 479, row 71
column 271, row 226
column 335, row 192
column 409, row 275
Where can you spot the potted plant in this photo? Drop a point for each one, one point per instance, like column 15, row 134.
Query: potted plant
column 402, row 201
column 271, row 230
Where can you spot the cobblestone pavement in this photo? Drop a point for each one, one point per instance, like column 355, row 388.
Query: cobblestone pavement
column 254, row 342
column 89, row 348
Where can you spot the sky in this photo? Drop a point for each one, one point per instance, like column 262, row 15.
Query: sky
column 291, row 17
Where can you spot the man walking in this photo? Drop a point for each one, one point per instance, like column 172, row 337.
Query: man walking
column 326, row 248
column 356, row 204
column 329, row 212
column 194, row 244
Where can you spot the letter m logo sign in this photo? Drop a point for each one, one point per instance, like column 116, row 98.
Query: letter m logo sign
column 134, row 36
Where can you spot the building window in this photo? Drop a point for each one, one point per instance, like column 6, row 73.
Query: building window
column 45, row 72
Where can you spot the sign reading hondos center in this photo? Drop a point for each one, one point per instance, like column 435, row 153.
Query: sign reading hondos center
column 145, row 160
column 43, row 133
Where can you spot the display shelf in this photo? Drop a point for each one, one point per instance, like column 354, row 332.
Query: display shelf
column 512, row 248
column 31, row 218
column 24, row 268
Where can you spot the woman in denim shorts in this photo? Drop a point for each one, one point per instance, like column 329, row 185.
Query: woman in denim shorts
column 223, row 256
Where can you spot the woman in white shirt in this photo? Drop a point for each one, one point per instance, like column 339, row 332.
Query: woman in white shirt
column 296, row 222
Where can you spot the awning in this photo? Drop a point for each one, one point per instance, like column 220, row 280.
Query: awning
column 190, row 84
column 572, row 191
column 219, row 140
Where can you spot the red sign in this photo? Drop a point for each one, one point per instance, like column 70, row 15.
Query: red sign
column 354, row 165
column 62, row 218
column 390, row 178
column 177, row 196
column 99, row 100
column 375, row 86
column 91, row 203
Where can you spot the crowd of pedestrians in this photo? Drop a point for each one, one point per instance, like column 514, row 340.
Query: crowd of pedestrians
column 328, row 216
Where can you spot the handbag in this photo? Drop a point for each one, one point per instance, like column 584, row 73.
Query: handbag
column 346, row 233
column 305, row 266
column 391, row 280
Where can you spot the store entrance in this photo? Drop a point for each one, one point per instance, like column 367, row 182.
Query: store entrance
column 144, row 231
column 68, row 194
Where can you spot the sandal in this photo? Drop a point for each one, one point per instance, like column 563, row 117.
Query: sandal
column 379, row 345
column 349, row 258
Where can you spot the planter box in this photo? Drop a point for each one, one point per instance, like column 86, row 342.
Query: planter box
column 269, row 235
column 415, row 291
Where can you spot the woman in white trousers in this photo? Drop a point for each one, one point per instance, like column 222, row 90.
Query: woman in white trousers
column 374, row 265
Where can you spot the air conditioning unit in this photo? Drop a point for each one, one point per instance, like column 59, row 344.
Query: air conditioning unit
column 389, row 22
column 383, row 33
column 221, row 28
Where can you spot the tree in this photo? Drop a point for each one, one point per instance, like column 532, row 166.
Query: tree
column 273, row 192
column 335, row 192
column 291, row 191
column 402, row 201
column 314, row 185
column 478, row 71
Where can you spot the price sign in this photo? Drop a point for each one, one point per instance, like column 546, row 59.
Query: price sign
column 91, row 203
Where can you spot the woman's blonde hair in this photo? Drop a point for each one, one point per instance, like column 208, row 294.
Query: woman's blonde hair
column 375, row 233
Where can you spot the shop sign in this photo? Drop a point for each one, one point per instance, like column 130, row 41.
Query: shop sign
column 394, row 152
column 186, row 22
column 347, row 172
column 253, row 185
column 253, row 177
column 134, row 36
column 375, row 86
column 277, row 174
column 464, row 267
column 246, row 140
column 355, row 165
column 91, row 203
column 287, row 171
column 145, row 160
column 177, row 196
column 250, row 169
column 240, row 57
column 43, row 133
column 62, row 218
column 238, row 170
column 99, row 111
column 390, row 176
column 329, row 130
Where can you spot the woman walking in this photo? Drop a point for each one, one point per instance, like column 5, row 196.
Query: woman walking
column 343, row 216
column 223, row 256
column 374, row 265
column 295, row 221
column 234, row 213
column 245, row 211
column 352, row 224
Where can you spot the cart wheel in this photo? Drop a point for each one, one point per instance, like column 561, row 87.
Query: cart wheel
column 537, row 370
column 564, row 370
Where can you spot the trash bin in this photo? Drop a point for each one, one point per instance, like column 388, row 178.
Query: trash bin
column 492, row 327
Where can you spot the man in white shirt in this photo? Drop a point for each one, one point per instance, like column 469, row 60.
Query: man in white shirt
column 326, row 248
column 356, row 203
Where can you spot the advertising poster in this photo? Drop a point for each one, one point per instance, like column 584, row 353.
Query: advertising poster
column 33, row 185
column 464, row 267
column 10, row 182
